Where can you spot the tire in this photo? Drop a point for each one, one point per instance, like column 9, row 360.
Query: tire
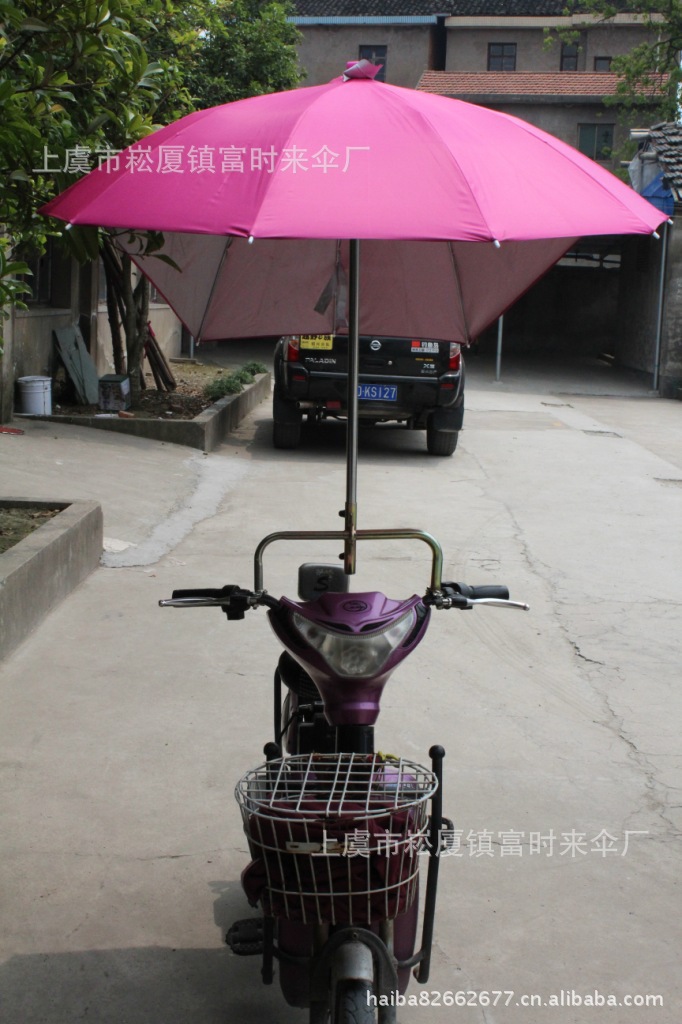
column 286, row 435
column 440, row 442
column 352, row 1005
column 286, row 422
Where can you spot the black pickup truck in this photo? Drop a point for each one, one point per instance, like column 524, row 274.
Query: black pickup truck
column 412, row 380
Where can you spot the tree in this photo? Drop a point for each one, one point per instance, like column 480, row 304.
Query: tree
column 86, row 78
column 75, row 81
column 250, row 50
column 649, row 73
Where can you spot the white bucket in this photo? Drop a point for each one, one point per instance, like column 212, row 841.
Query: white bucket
column 36, row 395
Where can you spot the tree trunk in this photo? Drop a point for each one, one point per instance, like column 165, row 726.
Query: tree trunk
column 127, row 308
column 137, row 336
column 113, row 276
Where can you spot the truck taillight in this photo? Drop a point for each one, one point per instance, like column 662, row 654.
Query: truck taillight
column 292, row 353
column 455, row 360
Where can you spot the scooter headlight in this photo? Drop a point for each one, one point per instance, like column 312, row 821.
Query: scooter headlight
column 355, row 654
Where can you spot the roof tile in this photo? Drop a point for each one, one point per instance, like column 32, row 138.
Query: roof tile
column 519, row 83
column 666, row 139
column 462, row 8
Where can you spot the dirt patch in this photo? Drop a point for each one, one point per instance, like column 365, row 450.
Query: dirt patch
column 17, row 523
column 186, row 402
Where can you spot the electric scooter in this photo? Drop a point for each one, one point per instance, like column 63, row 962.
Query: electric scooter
column 337, row 831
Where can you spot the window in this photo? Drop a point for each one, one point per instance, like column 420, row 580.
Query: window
column 596, row 140
column 40, row 278
column 602, row 63
column 569, row 57
column 375, row 55
column 501, row 56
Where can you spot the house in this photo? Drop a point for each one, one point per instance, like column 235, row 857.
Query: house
column 504, row 54
column 656, row 171
column 515, row 56
column 65, row 294
column 511, row 56
column 404, row 36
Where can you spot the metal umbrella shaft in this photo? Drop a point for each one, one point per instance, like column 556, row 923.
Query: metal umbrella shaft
column 351, row 509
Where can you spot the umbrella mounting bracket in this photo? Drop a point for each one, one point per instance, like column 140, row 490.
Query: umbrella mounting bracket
column 349, row 538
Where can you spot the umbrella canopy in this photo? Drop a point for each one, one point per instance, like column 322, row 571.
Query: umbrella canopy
column 443, row 290
column 356, row 158
column 353, row 159
column 263, row 204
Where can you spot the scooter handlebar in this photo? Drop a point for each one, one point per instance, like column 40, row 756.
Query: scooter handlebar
column 478, row 593
column 232, row 599
column 463, row 596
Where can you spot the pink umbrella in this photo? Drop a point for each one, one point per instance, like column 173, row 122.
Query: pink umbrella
column 353, row 159
column 462, row 209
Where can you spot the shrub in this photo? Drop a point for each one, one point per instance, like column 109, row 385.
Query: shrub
column 255, row 368
column 233, row 383
column 222, row 386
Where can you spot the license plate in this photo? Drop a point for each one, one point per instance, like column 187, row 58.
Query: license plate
column 317, row 341
column 378, row 392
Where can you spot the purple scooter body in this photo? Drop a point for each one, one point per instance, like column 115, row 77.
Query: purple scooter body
column 351, row 691
column 339, row 934
column 349, row 699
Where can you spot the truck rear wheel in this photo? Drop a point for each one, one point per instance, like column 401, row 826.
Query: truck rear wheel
column 440, row 442
column 286, row 422
column 286, row 435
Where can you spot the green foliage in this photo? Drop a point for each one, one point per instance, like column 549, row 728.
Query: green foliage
column 82, row 79
column 233, row 383
column 649, row 74
column 230, row 384
column 11, row 272
column 250, row 50
column 75, row 81
column 255, row 368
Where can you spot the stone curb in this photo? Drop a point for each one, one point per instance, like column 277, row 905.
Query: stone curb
column 44, row 567
column 205, row 432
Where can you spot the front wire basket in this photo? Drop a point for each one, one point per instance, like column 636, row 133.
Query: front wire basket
column 335, row 838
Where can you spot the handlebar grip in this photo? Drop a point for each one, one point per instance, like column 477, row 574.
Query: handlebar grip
column 502, row 593
column 215, row 592
column 475, row 593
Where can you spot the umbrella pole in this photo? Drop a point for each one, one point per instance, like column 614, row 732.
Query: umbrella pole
column 351, row 509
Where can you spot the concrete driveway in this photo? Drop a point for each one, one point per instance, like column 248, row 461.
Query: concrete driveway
column 124, row 727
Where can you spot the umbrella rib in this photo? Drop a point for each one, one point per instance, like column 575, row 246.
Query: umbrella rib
column 228, row 242
column 459, row 289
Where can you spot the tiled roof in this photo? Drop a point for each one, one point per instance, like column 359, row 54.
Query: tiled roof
column 397, row 8
column 666, row 140
column 368, row 8
column 519, row 83
column 508, row 8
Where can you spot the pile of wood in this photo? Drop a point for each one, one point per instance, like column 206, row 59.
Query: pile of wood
column 161, row 371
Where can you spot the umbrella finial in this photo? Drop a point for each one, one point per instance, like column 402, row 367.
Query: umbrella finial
column 361, row 69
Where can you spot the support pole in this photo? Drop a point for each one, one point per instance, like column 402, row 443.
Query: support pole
column 659, row 314
column 498, row 361
column 351, row 509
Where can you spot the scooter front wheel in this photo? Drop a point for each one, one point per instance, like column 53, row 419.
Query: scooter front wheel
column 353, row 1003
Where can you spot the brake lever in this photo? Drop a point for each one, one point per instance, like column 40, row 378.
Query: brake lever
column 448, row 597
column 497, row 602
column 232, row 600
